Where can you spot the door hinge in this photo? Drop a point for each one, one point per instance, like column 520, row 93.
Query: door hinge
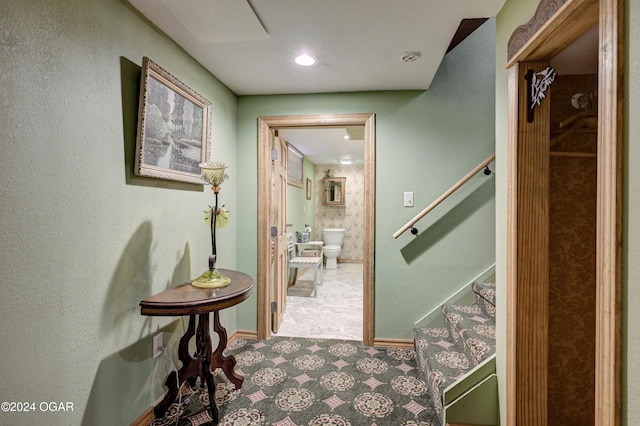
column 274, row 231
column 274, row 307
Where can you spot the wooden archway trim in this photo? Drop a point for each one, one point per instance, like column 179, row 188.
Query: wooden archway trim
column 545, row 10
column 552, row 29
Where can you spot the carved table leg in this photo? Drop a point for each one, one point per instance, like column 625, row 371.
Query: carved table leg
column 219, row 360
column 203, row 342
column 190, row 369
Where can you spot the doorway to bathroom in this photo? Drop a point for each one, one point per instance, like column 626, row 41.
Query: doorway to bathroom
column 268, row 264
column 325, row 197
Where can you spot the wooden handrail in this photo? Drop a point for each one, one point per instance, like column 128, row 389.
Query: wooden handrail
column 445, row 195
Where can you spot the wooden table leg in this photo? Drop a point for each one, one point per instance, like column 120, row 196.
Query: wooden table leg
column 204, row 355
column 226, row 362
column 203, row 365
column 190, row 369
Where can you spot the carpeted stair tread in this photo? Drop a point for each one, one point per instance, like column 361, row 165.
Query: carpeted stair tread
column 485, row 293
column 439, row 361
column 444, row 355
column 472, row 330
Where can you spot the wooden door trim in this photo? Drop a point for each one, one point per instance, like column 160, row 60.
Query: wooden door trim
column 264, row 234
column 542, row 37
column 549, row 39
column 609, row 213
column 530, row 252
column 265, row 126
column 512, row 243
column 280, row 257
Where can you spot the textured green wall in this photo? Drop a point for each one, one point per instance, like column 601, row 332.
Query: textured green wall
column 518, row 12
column 83, row 241
column 425, row 142
column 631, row 229
column 300, row 211
column 631, row 233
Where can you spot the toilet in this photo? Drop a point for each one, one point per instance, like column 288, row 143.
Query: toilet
column 333, row 241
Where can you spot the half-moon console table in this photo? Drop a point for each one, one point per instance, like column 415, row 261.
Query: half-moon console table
column 186, row 299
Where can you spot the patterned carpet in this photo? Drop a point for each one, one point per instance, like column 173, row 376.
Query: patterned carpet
column 293, row 381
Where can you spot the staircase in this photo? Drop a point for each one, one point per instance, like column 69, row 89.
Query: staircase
column 457, row 360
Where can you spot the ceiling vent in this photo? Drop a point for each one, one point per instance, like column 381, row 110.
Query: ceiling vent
column 410, row 56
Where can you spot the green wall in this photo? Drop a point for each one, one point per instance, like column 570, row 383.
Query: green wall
column 631, row 230
column 83, row 241
column 425, row 142
column 301, row 211
column 513, row 14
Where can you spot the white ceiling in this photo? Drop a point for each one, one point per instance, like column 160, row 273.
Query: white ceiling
column 327, row 146
column 250, row 44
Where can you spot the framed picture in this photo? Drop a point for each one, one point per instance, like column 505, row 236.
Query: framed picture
column 308, row 189
column 174, row 128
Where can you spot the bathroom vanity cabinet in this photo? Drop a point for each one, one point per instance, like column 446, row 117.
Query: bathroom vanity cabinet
column 334, row 191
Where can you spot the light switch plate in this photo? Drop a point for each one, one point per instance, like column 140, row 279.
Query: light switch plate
column 408, row 199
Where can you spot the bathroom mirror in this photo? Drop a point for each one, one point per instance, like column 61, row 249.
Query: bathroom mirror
column 334, row 191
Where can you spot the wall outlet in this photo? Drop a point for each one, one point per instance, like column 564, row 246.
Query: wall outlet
column 158, row 345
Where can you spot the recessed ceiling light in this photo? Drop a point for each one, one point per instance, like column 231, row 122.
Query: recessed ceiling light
column 346, row 137
column 346, row 162
column 305, row 60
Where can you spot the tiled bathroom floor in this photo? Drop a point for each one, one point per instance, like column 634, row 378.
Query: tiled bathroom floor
column 336, row 312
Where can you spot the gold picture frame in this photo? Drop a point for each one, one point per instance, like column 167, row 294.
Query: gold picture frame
column 308, row 189
column 174, row 127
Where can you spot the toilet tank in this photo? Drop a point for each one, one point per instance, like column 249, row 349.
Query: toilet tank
column 333, row 236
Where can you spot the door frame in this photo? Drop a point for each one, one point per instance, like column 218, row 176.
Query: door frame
column 526, row 372
column 278, row 215
column 266, row 125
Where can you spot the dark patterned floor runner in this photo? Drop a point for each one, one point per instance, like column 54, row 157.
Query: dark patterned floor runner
column 292, row 381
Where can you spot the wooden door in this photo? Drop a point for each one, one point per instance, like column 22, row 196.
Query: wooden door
column 279, row 240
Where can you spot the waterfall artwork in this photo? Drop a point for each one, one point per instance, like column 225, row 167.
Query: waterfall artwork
column 174, row 127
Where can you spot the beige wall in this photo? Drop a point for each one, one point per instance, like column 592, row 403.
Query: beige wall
column 349, row 217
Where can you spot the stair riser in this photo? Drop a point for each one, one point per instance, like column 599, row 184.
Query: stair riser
column 485, row 294
column 487, row 308
column 439, row 361
column 446, row 354
column 473, row 332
